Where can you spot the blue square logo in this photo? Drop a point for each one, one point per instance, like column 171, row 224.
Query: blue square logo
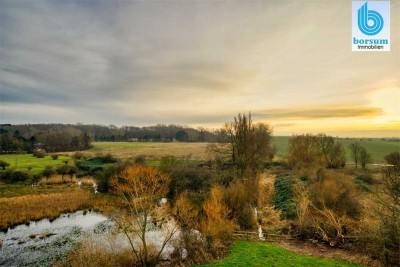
column 370, row 26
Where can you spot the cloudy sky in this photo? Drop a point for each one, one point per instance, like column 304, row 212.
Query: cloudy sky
column 196, row 63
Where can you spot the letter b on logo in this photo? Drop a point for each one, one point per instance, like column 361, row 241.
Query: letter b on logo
column 365, row 16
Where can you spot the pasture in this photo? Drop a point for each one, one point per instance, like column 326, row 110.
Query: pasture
column 23, row 162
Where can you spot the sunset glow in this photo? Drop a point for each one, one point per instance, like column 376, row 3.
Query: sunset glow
column 197, row 64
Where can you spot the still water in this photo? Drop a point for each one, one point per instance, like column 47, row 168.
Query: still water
column 43, row 242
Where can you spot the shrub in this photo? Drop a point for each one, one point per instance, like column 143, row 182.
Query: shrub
column 63, row 170
column 78, row 156
column 40, row 153
column 13, row 176
column 367, row 178
column 239, row 200
column 93, row 165
column 336, row 191
column 284, row 193
column 140, row 159
column 104, row 176
column 189, row 179
column 389, row 216
column 217, row 224
column 186, row 213
column 393, row 159
column 328, row 209
column 4, row 164
column 48, row 171
column 54, row 156
column 169, row 163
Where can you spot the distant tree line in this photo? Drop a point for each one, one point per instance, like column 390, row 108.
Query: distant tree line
column 48, row 141
column 71, row 137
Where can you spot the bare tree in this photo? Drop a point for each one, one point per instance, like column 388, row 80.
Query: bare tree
column 393, row 159
column 365, row 158
column 355, row 150
column 303, row 149
column 248, row 144
column 332, row 152
column 142, row 187
column 388, row 196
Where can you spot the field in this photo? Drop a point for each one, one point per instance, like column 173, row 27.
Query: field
column 376, row 147
column 23, row 161
column 195, row 151
column 198, row 151
column 266, row 254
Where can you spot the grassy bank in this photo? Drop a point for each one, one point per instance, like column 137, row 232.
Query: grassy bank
column 265, row 254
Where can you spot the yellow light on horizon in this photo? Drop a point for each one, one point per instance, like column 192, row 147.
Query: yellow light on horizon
column 389, row 100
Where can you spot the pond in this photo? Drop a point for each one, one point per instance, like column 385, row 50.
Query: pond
column 43, row 242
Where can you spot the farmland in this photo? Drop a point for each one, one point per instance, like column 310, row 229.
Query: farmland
column 198, row 151
column 153, row 151
column 378, row 148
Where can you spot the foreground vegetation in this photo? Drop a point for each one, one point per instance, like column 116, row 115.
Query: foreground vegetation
column 266, row 254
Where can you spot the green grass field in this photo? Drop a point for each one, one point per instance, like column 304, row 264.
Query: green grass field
column 265, row 254
column 23, row 161
column 376, row 147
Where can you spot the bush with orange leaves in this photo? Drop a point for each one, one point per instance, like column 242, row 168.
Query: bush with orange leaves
column 142, row 187
column 216, row 224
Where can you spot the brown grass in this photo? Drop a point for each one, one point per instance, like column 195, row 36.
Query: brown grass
column 94, row 253
column 58, row 179
column 150, row 150
column 23, row 209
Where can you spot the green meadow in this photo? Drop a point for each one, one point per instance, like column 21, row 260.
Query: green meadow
column 247, row 254
column 22, row 162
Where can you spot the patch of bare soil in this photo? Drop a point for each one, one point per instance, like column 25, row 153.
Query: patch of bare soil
column 324, row 251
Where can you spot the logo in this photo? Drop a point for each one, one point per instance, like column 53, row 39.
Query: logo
column 371, row 26
column 364, row 16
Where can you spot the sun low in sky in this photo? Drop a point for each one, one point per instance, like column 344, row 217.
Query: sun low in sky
column 196, row 63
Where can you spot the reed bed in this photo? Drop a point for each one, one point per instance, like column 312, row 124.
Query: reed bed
column 59, row 179
column 23, row 209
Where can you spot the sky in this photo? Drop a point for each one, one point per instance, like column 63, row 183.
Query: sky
column 196, row 63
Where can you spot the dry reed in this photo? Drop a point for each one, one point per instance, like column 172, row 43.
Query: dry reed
column 23, row 209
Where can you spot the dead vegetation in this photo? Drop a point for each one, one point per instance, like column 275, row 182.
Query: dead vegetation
column 23, row 209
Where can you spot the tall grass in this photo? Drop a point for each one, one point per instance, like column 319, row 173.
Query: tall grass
column 58, row 179
column 23, row 209
column 97, row 252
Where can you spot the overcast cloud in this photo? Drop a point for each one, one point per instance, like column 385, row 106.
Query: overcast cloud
column 195, row 63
